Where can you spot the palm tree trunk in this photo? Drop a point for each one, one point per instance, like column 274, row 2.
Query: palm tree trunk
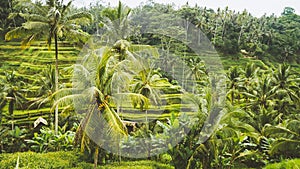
column 96, row 156
column 147, row 120
column 199, row 36
column 223, row 29
column 56, row 82
column 240, row 35
column 11, row 106
column 186, row 38
column 2, row 104
column 0, row 117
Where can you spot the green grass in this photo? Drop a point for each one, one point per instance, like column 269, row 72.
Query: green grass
column 144, row 164
column 68, row 160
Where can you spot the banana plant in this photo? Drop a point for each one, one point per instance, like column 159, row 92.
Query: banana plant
column 286, row 136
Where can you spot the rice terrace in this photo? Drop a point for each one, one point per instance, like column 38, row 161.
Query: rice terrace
column 155, row 85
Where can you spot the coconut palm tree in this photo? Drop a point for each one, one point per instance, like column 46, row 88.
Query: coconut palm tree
column 46, row 81
column 285, row 87
column 198, row 69
column 116, row 22
column 248, row 80
column 149, row 83
column 263, row 94
column 234, row 84
column 51, row 21
column 12, row 92
column 95, row 87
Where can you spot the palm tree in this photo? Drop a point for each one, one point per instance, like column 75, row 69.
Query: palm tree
column 52, row 21
column 248, row 79
column 262, row 95
column 12, row 92
column 198, row 69
column 94, row 84
column 285, row 87
column 116, row 22
column 234, row 84
column 46, row 81
column 242, row 21
column 102, row 72
column 148, row 83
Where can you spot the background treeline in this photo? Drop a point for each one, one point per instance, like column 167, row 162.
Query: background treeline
column 268, row 37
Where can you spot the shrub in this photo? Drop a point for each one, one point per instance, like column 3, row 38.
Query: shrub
column 61, row 160
column 47, row 140
column 12, row 140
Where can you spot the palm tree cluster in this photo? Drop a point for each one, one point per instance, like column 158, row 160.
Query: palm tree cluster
column 262, row 112
column 260, row 123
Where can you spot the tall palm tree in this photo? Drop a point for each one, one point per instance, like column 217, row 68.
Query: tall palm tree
column 51, row 21
column 242, row 22
column 116, row 22
column 95, row 82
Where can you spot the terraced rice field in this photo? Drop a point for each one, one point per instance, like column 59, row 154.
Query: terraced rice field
column 27, row 64
column 31, row 61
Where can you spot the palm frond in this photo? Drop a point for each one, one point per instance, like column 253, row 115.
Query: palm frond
column 34, row 17
column 278, row 130
column 76, row 35
column 285, row 146
column 136, row 99
column 145, row 48
column 114, row 121
column 67, row 100
column 82, row 18
column 35, row 25
column 15, row 33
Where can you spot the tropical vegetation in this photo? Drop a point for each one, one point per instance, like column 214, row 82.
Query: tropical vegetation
column 153, row 86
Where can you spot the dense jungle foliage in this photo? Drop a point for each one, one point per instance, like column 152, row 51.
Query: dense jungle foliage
column 130, row 79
